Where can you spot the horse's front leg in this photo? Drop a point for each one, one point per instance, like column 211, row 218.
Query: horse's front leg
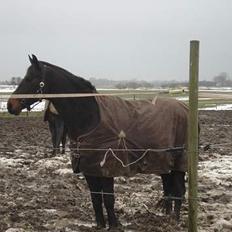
column 109, row 200
column 95, row 187
column 59, row 127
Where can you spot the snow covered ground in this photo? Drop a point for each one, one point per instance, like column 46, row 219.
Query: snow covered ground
column 219, row 107
column 40, row 106
column 7, row 88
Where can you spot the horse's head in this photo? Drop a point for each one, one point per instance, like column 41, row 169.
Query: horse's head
column 32, row 83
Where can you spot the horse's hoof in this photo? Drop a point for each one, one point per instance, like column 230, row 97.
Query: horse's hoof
column 99, row 227
column 116, row 228
column 53, row 154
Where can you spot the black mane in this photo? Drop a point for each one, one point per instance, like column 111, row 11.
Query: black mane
column 77, row 80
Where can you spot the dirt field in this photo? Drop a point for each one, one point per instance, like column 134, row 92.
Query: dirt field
column 38, row 193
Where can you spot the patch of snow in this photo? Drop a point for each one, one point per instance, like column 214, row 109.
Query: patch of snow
column 7, row 88
column 15, row 230
column 52, row 211
column 223, row 225
column 219, row 107
column 183, row 98
column 64, row 171
column 216, row 89
column 217, row 169
column 53, row 164
column 49, row 164
column 5, row 162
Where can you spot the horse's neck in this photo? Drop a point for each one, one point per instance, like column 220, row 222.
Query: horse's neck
column 80, row 115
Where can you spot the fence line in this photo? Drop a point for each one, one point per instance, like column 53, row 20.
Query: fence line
column 72, row 95
column 169, row 149
column 139, row 92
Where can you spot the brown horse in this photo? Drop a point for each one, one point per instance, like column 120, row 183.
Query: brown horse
column 115, row 136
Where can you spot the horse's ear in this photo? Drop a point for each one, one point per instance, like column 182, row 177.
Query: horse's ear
column 34, row 61
column 31, row 60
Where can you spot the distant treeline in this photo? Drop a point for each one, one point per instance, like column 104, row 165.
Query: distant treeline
column 221, row 80
column 132, row 84
column 12, row 81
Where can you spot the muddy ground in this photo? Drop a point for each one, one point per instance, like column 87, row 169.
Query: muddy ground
column 39, row 193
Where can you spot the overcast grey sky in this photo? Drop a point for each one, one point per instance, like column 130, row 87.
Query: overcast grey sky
column 117, row 39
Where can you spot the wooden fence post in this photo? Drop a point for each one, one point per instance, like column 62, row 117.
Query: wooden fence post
column 193, row 136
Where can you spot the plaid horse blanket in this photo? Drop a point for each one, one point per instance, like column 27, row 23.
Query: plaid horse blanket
column 127, row 139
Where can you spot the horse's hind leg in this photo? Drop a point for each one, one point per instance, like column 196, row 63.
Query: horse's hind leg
column 167, row 188
column 95, row 186
column 178, row 191
column 109, row 200
column 63, row 141
column 53, row 135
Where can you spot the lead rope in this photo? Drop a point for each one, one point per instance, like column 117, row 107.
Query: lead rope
column 30, row 108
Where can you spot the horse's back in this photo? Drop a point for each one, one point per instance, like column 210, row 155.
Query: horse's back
column 163, row 120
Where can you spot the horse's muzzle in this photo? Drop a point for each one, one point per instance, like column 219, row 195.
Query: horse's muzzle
column 13, row 107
